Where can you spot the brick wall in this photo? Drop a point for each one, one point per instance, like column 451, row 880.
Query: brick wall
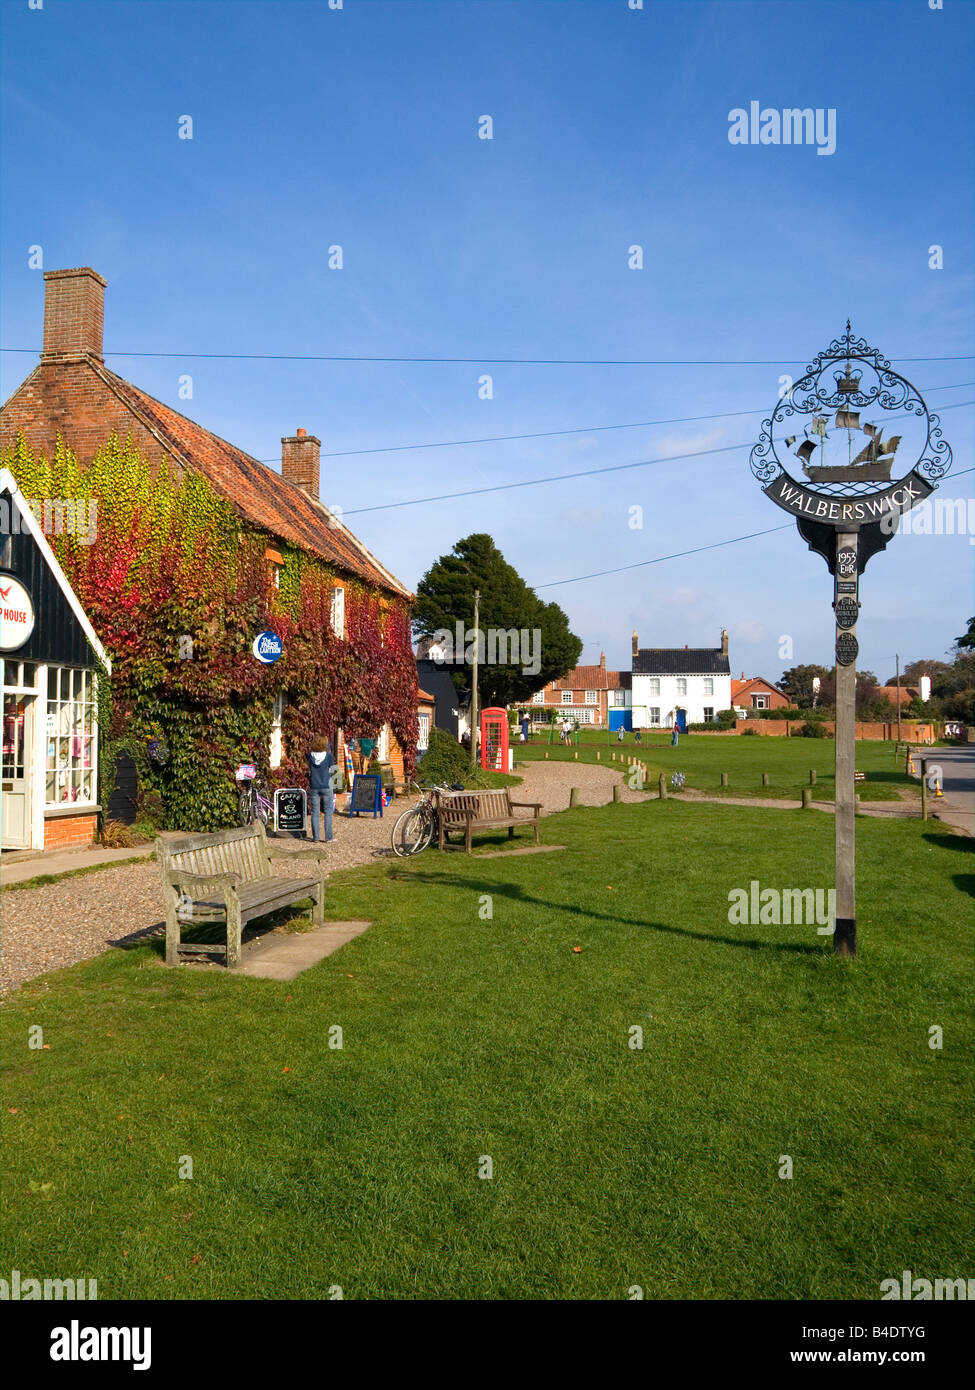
column 69, row 398
column 70, row 832
column 911, row 731
column 74, row 312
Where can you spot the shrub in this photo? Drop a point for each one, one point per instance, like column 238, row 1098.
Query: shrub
column 750, row 733
column 115, row 835
column 812, row 730
column 445, row 760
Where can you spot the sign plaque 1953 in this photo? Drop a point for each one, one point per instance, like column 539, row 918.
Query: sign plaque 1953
column 848, row 449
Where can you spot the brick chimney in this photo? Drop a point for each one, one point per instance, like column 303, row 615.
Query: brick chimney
column 724, row 641
column 636, row 644
column 299, row 461
column 74, row 312
column 602, row 661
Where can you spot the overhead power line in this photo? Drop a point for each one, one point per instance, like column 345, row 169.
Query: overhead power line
column 495, row 361
column 581, row 473
column 580, row 429
column 696, row 550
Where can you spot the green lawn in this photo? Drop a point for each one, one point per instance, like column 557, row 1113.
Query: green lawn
column 703, row 757
column 467, row 1036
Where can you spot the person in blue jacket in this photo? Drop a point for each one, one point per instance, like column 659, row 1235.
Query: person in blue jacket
column 321, row 786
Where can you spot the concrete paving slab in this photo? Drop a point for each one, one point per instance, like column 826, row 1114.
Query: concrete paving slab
column 285, row 955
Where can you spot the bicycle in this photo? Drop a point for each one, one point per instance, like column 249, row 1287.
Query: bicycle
column 416, row 827
column 253, row 804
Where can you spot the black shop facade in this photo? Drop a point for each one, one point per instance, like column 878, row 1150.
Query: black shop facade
column 49, row 656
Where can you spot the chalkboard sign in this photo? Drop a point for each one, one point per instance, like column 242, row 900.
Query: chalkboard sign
column 289, row 808
column 367, row 794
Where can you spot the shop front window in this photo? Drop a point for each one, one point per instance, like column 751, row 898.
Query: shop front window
column 70, row 737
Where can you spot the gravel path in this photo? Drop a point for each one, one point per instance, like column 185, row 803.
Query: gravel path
column 59, row 924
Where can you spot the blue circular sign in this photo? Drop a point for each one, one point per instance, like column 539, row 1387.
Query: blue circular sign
column 267, row 647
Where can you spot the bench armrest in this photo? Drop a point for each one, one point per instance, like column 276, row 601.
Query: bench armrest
column 527, row 805
column 178, row 878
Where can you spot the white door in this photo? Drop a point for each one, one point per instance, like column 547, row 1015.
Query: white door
column 15, row 771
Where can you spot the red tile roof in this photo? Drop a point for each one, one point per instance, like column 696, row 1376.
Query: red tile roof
column 592, row 678
column 262, row 496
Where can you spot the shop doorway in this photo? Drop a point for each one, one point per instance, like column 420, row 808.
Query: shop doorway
column 15, row 770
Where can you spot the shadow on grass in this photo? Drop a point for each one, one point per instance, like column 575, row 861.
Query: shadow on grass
column 517, row 894
column 965, row 883
column 965, row 843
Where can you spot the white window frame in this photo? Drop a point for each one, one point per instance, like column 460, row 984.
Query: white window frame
column 653, row 686
column 338, row 612
column 761, row 702
column 708, row 685
column 567, row 697
column 708, row 714
column 64, row 711
column 654, row 716
column 592, row 697
column 424, row 722
column 276, row 752
column 682, row 686
column 538, row 698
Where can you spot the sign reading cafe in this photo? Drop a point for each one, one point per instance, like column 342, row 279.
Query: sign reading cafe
column 828, row 456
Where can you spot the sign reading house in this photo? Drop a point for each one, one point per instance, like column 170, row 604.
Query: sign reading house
column 16, row 614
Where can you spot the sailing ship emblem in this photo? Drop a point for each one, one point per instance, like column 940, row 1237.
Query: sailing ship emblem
column 874, row 461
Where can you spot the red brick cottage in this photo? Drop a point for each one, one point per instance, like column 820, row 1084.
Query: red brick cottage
column 73, row 397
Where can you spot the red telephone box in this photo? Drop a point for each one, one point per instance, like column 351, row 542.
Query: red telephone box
column 494, row 739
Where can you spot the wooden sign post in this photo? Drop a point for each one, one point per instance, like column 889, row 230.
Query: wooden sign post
column 843, row 515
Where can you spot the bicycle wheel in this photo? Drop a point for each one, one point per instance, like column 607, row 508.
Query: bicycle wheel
column 412, row 832
column 244, row 806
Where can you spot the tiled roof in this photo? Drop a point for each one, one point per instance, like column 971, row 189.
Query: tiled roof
column 591, row 678
column 738, row 687
column 619, row 680
column 262, row 496
column 680, row 661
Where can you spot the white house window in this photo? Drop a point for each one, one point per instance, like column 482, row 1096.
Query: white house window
column 592, row 698
column 618, row 697
column 681, row 686
column 538, row 698
column 423, row 740
column 567, row 697
column 655, row 715
column 277, row 738
column 708, row 713
column 708, row 685
column 584, row 716
column 338, row 611
column 760, row 702
column 654, row 686
column 70, row 737
column 382, row 750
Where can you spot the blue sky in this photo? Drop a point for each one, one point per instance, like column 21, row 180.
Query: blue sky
column 358, row 127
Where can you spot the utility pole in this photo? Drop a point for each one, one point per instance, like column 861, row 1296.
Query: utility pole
column 898, row 698
column 477, row 647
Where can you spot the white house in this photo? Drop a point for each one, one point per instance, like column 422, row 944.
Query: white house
column 688, row 685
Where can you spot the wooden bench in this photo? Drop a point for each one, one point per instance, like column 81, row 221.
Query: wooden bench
column 470, row 811
column 229, row 877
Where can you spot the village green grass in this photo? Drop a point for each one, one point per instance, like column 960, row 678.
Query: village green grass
column 703, row 757
column 468, row 1036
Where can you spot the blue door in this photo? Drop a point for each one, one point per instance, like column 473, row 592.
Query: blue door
column 620, row 719
column 682, row 720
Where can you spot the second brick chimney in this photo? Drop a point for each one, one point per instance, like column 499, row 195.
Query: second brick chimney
column 724, row 641
column 299, row 461
column 636, row 644
column 74, row 312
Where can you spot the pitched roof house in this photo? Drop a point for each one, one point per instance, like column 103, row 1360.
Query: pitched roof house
column 586, row 693
column 682, row 685
column 756, row 693
column 72, row 396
